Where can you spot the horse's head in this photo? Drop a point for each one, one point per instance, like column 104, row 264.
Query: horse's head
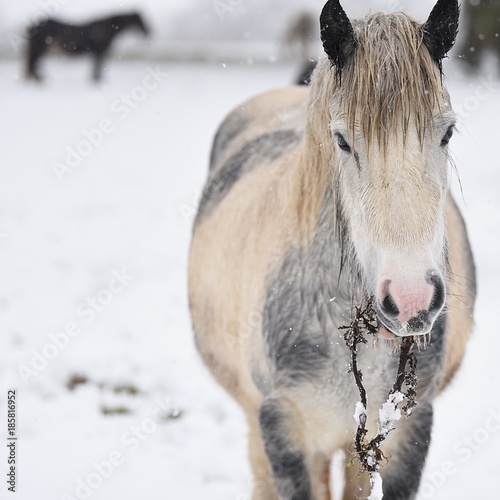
column 137, row 22
column 390, row 123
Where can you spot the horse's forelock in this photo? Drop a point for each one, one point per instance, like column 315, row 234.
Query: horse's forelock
column 390, row 82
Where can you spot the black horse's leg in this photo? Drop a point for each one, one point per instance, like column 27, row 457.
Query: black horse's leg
column 98, row 66
column 36, row 48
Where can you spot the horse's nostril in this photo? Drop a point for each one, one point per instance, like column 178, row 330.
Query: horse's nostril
column 439, row 295
column 389, row 306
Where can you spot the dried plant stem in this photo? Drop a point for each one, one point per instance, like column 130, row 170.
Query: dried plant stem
column 368, row 452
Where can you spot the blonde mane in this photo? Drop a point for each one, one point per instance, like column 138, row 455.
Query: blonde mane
column 390, row 83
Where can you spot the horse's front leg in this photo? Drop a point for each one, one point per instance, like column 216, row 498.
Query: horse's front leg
column 295, row 472
column 36, row 50
column 263, row 484
column 98, row 65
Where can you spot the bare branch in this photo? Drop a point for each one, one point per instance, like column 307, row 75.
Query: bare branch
column 368, row 452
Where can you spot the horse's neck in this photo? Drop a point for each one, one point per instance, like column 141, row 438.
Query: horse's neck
column 129, row 22
column 120, row 23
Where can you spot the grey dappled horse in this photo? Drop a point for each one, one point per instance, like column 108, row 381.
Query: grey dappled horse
column 318, row 197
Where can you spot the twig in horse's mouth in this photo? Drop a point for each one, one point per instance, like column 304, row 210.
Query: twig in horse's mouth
column 368, row 452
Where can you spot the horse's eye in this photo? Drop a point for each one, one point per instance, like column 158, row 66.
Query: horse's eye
column 343, row 143
column 446, row 138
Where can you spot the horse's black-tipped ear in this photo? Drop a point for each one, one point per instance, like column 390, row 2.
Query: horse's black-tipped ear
column 440, row 30
column 337, row 34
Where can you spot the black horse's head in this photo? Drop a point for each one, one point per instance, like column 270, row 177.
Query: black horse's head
column 135, row 20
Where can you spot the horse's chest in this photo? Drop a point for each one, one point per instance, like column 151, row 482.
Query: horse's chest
column 305, row 345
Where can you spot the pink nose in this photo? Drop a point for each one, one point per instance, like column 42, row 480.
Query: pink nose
column 411, row 306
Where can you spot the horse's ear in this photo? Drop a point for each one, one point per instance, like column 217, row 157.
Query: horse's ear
column 440, row 30
column 337, row 34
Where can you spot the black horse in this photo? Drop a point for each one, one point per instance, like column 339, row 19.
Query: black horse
column 93, row 38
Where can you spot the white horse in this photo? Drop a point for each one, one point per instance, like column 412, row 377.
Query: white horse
column 316, row 198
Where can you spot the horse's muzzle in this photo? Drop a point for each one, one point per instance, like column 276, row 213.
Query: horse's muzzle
column 411, row 311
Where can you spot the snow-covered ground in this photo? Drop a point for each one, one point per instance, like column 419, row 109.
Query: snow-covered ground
column 93, row 286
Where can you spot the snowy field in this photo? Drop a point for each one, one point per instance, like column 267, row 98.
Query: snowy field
column 98, row 186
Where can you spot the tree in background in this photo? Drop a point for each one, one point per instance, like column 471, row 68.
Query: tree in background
column 482, row 31
column 299, row 39
column 300, row 35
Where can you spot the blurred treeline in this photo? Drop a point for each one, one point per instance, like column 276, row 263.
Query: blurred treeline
column 480, row 31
